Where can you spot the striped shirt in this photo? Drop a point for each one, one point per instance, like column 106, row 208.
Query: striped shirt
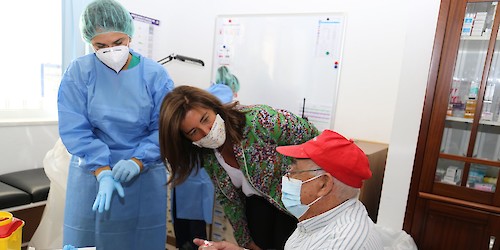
column 346, row 226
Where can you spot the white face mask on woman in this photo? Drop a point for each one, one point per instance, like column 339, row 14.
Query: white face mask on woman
column 216, row 137
column 114, row 57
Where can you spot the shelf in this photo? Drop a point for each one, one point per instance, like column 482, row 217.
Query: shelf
column 491, row 123
column 458, row 119
column 476, row 38
column 469, row 120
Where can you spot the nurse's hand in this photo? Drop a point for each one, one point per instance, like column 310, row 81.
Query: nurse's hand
column 69, row 247
column 125, row 170
column 107, row 186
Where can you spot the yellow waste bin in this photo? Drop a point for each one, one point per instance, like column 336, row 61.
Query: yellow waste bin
column 11, row 231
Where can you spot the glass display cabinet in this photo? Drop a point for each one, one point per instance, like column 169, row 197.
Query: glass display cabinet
column 454, row 201
column 470, row 145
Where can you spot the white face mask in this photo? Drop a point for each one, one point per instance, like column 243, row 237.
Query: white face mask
column 290, row 195
column 216, row 137
column 114, row 57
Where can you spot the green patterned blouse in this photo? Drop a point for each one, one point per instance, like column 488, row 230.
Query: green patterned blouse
column 266, row 128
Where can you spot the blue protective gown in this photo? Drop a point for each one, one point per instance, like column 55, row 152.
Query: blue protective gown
column 105, row 117
column 195, row 197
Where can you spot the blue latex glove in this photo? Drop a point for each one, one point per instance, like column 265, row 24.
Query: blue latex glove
column 69, row 247
column 107, row 186
column 125, row 170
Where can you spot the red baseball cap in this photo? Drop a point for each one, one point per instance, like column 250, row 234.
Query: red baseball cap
column 336, row 155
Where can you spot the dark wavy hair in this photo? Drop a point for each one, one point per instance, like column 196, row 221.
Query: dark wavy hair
column 177, row 152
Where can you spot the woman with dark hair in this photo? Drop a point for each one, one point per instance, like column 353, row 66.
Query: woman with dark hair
column 193, row 200
column 237, row 147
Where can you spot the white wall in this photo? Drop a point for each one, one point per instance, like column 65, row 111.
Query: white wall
column 408, row 110
column 23, row 146
column 373, row 50
column 386, row 59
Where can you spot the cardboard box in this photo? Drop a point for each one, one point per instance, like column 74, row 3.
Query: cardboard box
column 372, row 188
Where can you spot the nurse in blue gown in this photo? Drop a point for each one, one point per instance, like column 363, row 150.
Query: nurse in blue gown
column 108, row 105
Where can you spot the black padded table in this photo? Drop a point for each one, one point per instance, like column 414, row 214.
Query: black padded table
column 33, row 181
column 11, row 196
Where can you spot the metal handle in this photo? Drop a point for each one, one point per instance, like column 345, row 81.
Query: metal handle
column 492, row 242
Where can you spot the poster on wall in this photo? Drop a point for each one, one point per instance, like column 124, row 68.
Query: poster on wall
column 143, row 34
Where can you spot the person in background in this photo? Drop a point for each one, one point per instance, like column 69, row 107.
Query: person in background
column 224, row 76
column 321, row 189
column 193, row 200
column 237, row 147
column 108, row 106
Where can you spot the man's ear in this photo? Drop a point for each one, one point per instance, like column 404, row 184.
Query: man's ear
column 326, row 184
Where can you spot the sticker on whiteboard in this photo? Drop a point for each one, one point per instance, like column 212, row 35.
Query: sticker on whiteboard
column 327, row 42
column 318, row 114
column 230, row 32
column 224, row 55
column 143, row 34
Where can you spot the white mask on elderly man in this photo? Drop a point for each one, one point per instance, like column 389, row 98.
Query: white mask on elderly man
column 216, row 137
column 114, row 57
column 290, row 195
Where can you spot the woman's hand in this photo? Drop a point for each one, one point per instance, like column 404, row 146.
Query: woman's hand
column 214, row 245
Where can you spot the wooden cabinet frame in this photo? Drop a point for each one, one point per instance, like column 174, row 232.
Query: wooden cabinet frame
column 427, row 198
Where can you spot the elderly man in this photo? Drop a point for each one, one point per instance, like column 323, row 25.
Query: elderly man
column 321, row 189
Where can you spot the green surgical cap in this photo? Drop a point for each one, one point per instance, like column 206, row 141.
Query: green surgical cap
column 225, row 77
column 102, row 16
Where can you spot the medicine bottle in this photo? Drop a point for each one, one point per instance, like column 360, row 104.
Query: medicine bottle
column 470, row 108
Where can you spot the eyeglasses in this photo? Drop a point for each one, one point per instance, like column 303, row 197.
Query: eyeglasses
column 289, row 172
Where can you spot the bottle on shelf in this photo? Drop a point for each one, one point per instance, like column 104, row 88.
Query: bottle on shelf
column 467, row 25
column 449, row 112
column 487, row 114
column 474, row 89
column 490, row 91
column 470, row 104
column 456, row 107
column 470, row 108
column 497, row 113
column 479, row 23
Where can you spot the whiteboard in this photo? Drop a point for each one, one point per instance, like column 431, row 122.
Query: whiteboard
column 284, row 60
